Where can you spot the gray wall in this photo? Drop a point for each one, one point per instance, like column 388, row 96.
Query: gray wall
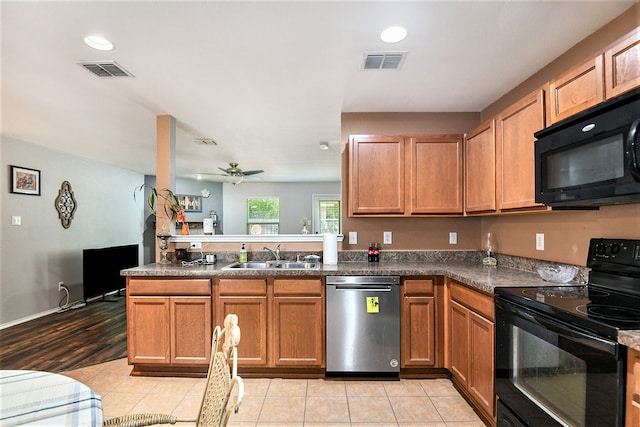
column 35, row 256
column 183, row 187
column 295, row 203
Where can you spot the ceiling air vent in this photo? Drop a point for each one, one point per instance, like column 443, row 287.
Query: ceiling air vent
column 205, row 141
column 105, row 69
column 383, row 60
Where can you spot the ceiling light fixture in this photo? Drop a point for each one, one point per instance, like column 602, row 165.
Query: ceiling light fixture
column 324, row 145
column 98, row 42
column 393, row 35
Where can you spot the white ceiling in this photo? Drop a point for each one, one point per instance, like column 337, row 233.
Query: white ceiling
column 266, row 80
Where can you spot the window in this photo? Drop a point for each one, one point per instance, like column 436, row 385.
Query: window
column 326, row 213
column 263, row 215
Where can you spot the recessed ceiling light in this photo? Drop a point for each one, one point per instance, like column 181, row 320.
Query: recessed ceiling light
column 98, row 42
column 393, row 34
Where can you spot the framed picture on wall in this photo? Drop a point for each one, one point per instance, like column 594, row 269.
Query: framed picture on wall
column 25, row 181
column 190, row 203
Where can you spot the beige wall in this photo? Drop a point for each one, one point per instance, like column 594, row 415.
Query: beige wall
column 567, row 233
column 408, row 233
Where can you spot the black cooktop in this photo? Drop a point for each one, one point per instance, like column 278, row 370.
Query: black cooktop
column 608, row 303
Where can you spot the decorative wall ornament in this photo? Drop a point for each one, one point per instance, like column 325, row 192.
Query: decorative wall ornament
column 25, row 181
column 66, row 204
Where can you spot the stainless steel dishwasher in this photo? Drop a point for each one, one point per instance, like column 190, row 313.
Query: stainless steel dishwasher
column 363, row 324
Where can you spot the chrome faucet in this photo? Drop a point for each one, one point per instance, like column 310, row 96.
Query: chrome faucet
column 276, row 254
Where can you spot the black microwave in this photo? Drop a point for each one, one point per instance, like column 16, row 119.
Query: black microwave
column 592, row 158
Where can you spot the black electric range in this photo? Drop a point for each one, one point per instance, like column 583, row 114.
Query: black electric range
column 610, row 302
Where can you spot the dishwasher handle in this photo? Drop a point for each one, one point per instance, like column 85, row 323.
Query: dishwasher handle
column 361, row 288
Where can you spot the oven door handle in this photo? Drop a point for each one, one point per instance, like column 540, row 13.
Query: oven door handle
column 570, row 332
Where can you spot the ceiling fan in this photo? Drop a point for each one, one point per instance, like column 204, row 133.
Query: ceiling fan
column 235, row 172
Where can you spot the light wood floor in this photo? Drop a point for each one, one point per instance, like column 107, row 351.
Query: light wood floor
column 58, row 342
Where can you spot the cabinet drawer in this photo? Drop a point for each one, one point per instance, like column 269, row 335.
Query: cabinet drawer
column 169, row 287
column 418, row 287
column 474, row 300
column 237, row 287
column 285, row 287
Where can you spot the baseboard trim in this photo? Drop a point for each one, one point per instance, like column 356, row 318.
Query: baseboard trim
column 28, row 318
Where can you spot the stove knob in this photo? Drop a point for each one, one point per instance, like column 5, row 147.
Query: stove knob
column 615, row 248
column 601, row 248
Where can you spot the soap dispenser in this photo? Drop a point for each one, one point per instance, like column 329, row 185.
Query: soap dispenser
column 243, row 254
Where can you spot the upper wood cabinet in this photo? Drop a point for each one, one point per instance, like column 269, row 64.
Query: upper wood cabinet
column 480, row 169
column 405, row 175
column 515, row 127
column 376, row 175
column 622, row 65
column 435, row 174
column 577, row 89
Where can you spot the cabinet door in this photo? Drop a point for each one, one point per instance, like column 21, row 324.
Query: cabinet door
column 516, row 162
column 298, row 326
column 298, row 322
column 622, row 65
column 480, row 169
column 148, row 330
column 577, row 89
column 190, row 330
column 459, row 341
column 246, row 298
column 633, row 389
column 435, row 174
column 481, row 350
column 376, row 175
column 418, row 331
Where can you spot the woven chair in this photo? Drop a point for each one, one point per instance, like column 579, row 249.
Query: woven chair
column 216, row 407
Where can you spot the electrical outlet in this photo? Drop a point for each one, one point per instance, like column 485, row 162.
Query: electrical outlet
column 195, row 245
column 539, row 241
column 453, row 238
column 16, row 220
column 353, row 237
column 60, row 286
column 387, row 238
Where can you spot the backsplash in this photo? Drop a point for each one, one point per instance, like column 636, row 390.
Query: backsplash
column 505, row 261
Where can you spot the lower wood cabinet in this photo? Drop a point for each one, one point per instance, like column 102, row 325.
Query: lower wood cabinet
column 298, row 323
column 418, row 331
column 169, row 322
column 470, row 344
column 248, row 299
column 633, row 389
column 281, row 319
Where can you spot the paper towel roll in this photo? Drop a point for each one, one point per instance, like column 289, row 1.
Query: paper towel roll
column 330, row 249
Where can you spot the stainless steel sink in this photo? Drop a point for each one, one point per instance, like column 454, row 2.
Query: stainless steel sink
column 297, row 265
column 283, row 265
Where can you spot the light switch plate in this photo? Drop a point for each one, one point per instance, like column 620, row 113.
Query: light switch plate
column 387, row 238
column 353, row 237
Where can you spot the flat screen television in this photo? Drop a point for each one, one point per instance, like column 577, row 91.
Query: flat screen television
column 101, row 269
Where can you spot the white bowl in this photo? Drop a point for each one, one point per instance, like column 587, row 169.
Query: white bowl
column 557, row 273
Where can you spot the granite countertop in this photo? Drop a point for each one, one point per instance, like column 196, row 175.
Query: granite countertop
column 480, row 277
column 467, row 271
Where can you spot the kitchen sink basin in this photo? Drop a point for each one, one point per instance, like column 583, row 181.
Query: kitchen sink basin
column 297, row 265
column 280, row 265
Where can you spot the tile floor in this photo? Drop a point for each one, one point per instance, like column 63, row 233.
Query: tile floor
column 287, row 403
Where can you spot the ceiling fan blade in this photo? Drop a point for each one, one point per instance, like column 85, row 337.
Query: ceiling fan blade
column 252, row 172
